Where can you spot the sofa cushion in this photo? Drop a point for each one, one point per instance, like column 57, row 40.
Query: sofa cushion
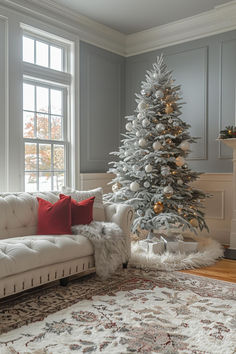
column 81, row 212
column 98, row 207
column 21, row 254
column 54, row 219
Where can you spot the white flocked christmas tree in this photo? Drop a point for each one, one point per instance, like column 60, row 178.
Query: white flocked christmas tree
column 151, row 172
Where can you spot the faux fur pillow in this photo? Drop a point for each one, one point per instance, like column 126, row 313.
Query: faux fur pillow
column 98, row 207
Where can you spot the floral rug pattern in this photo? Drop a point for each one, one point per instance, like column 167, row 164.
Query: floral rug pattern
column 132, row 312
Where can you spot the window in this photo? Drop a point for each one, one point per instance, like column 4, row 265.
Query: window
column 45, row 117
column 43, row 53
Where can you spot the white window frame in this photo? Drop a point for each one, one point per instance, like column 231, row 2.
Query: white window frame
column 44, row 76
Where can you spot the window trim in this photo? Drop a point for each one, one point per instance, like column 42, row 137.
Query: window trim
column 50, row 78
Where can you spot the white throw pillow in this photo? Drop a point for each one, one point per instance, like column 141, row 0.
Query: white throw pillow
column 98, row 207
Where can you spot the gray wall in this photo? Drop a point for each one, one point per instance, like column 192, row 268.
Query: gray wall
column 206, row 69
column 102, row 97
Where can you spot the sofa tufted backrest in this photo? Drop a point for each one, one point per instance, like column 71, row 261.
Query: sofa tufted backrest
column 18, row 212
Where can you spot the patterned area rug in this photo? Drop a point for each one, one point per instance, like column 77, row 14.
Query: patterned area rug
column 132, row 312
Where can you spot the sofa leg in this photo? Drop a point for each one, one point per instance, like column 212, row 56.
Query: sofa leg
column 125, row 265
column 64, row 281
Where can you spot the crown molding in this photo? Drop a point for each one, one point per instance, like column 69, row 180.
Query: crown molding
column 88, row 30
column 221, row 19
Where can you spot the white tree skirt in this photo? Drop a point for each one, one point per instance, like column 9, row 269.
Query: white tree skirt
column 208, row 252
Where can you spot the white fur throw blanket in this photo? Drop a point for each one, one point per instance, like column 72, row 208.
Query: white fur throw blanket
column 110, row 245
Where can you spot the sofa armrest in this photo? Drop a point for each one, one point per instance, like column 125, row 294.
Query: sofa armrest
column 120, row 214
column 123, row 216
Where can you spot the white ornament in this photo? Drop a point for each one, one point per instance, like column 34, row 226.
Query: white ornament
column 180, row 161
column 128, row 126
column 140, row 115
column 126, row 153
column 180, row 182
column 134, row 186
column 170, row 120
column 159, row 94
column 165, row 170
column 184, row 145
column 143, row 92
column 125, row 169
column 168, row 191
column 142, row 142
column 156, row 145
column 142, row 105
column 148, row 168
column 160, row 127
column 146, row 184
column 145, row 122
column 138, row 134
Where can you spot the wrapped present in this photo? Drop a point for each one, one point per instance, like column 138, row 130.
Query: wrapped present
column 171, row 243
column 155, row 246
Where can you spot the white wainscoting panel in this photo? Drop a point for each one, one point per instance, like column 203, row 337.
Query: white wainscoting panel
column 94, row 180
column 218, row 206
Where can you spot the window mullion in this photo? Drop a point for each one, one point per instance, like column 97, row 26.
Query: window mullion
column 37, row 175
column 52, row 166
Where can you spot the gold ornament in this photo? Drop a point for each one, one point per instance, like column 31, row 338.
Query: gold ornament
column 158, row 207
column 116, row 187
column 194, row 222
column 168, row 109
column 168, row 141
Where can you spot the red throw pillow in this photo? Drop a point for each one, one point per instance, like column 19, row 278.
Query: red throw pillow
column 81, row 212
column 54, row 219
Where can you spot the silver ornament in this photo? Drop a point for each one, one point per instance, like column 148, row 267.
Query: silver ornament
column 142, row 142
column 134, row 186
column 142, row 106
column 165, row 171
column 128, row 126
column 170, row 120
column 126, row 153
column 148, row 168
column 145, row 122
column 160, row 127
column 143, row 92
column 159, row 94
column 180, row 182
column 168, row 191
column 125, row 169
column 156, row 146
column 146, row 184
column 138, row 134
column 140, row 115
column 184, row 145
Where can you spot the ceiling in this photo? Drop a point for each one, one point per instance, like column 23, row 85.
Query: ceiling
column 130, row 16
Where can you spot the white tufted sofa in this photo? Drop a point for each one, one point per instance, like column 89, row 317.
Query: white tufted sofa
column 28, row 260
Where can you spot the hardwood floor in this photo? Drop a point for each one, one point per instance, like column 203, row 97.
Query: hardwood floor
column 225, row 269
